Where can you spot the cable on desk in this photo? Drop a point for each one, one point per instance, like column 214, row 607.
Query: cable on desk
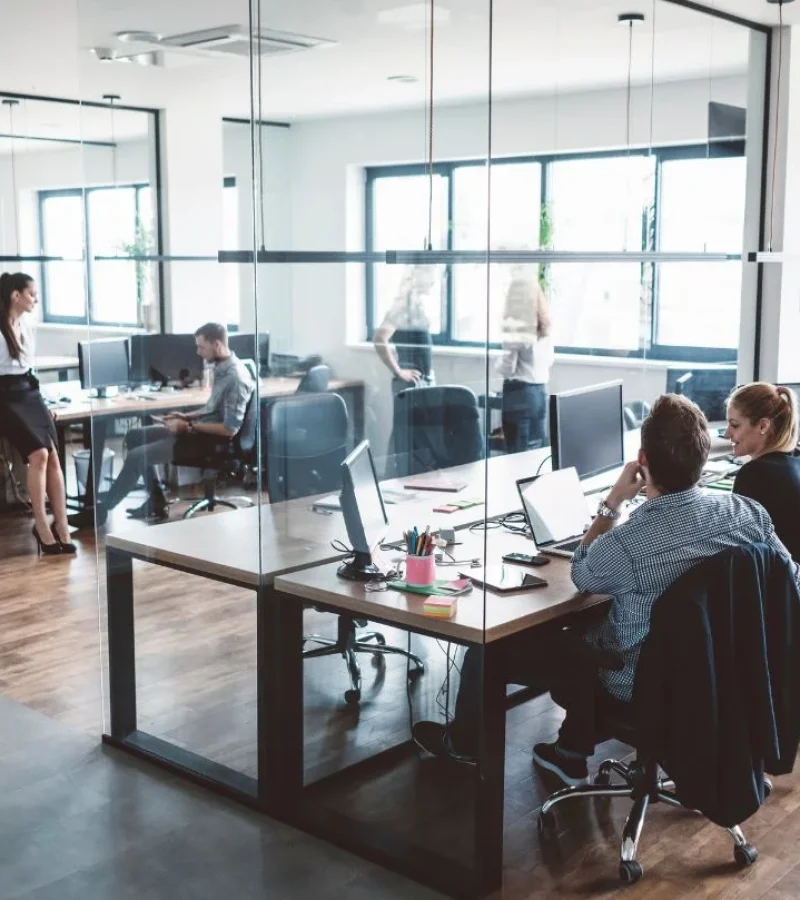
column 539, row 470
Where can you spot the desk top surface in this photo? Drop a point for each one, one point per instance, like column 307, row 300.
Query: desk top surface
column 253, row 546
column 482, row 616
column 131, row 403
column 49, row 363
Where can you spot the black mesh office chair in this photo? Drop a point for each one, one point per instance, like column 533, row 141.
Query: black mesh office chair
column 744, row 642
column 306, row 441
column 315, row 381
column 435, row 428
column 235, row 455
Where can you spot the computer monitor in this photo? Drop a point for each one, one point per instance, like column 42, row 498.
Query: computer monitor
column 708, row 388
column 586, row 429
column 245, row 346
column 364, row 513
column 165, row 358
column 103, row 364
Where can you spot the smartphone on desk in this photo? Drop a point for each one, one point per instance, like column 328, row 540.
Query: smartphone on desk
column 504, row 579
column 527, row 559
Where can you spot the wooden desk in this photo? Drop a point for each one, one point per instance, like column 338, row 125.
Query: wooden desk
column 83, row 410
column 484, row 620
column 60, row 364
column 283, row 554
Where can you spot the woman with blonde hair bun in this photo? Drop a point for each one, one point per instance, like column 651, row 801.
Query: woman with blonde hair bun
column 763, row 424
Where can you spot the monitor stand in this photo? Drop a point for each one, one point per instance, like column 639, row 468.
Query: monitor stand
column 102, row 393
column 361, row 568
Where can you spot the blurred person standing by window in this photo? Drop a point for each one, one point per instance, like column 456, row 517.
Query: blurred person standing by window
column 528, row 354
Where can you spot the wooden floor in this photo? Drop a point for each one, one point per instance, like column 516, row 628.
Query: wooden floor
column 197, row 686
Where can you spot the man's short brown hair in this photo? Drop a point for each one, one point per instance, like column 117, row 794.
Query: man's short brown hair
column 676, row 442
column 213, row 331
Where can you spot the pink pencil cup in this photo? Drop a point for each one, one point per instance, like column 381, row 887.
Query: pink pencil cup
column 420, row 569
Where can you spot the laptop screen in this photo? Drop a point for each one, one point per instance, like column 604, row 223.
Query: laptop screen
column 554, row 505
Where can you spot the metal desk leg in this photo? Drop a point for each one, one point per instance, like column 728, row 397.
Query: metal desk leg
column 121, row 643
column 489, row 811
column 98, row 432
column 280, row 700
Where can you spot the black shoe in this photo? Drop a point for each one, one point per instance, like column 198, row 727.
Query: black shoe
column 434, row 738
column 570, row 769
column 48, row 549
column 141, row 512
column 152, row 511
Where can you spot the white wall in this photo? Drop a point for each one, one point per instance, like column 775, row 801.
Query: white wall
column 327, row 203
column 274, row 282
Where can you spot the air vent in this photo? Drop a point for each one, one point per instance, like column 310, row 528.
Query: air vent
column 234, row 40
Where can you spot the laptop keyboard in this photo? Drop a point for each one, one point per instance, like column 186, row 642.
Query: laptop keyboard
column 570, row 545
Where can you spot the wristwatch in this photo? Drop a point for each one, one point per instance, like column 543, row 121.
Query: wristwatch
column 607, row 512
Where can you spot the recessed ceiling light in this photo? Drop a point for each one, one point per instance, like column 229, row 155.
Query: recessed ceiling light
column 414, row 16
column 403, row 79
column 138, row 37
column 630, row 18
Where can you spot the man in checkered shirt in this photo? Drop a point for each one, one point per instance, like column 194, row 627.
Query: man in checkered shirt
column 635, row 561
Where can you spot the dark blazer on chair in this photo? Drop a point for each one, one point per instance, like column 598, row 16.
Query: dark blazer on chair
column 718, row 683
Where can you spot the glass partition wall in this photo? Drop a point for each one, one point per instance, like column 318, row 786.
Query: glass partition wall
column 445, row 254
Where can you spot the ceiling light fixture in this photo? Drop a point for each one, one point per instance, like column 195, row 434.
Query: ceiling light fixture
column 403, row 79
column 138, row 37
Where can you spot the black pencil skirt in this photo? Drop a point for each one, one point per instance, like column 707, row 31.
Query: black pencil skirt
column 24, row 419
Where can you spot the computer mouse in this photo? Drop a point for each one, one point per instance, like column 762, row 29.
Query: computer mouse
column 65, row 399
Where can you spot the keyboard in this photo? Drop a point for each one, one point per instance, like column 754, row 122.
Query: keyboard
column 569, row 546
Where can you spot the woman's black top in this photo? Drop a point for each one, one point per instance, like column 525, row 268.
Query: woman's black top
column 774, row 481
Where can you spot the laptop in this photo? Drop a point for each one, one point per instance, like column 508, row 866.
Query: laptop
column 556, row 510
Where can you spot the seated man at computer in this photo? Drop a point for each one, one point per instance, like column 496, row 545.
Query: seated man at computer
column 634, row 562
column 184, row 436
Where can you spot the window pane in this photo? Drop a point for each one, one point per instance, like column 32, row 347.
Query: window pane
column 600, row 204
column 516, row 224
column 147, row 272
column 112, row 232
column 400, row 222
column 598, row 306
column 702, row 210
column 62, row 235
column 230, row 241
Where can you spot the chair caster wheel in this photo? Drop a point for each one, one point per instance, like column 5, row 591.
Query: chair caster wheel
column 745, row 855
column 546, row 825
column 380, row 639
column 416, row 672
column 767, row 788
column 352, row 697
column 602, row 779
column 630, row 871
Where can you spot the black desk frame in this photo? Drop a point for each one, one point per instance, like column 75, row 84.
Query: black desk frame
column 279, row 790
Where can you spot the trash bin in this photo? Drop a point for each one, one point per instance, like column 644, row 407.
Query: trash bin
column 82, row 457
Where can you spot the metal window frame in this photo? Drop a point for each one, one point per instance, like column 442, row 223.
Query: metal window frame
column 546, row 161
column 84, row 192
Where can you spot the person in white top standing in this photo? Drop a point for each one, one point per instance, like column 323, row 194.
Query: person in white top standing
column 528, row 355
column 25, row 420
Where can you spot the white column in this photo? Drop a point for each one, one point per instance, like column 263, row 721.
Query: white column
column 780, row 317
column 192, row 173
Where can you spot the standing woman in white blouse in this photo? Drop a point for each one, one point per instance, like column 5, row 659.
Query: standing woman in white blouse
column 528, row 355
column 25, row 420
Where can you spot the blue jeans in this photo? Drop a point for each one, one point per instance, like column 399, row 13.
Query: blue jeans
column 524, row 415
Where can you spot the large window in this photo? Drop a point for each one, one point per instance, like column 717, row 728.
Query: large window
column 670, row 199
column 106, row 221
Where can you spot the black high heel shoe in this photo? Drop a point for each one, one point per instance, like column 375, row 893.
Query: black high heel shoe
column 66, row 546
column 47, row 549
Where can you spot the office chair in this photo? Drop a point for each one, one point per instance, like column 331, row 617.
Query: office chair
column 237, row 454
column 306, row 441
column 315, row 381
column 740, row 652
column 634, row 413
column 435, row 428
